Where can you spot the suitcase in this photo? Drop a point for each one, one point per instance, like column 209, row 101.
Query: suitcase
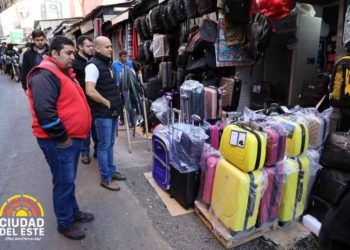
column 331, row 185
column 295, row 188
column 161, row 142
column 213, row 103
column 180, row 77
column 236, row 196
column 192, row 100
column 244, row 147
column 260, row 96
column 297, row 135
column 318, row 207
column 270, row 202
column 231, row 88
column 166, row 75
column 153, row 88
column 208, row 164
column 184, row 187
column 175, row 95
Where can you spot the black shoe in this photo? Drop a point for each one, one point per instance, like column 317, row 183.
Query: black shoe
column 83, row 217
column 118, row 176
column 73, row 232
column 95, row 154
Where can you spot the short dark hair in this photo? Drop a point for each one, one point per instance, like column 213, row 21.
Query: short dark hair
column 37, row 33
column 58, row 43
column 82, row 39
column 123, row 53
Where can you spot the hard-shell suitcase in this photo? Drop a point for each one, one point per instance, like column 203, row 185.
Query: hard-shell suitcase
column 331, row 185
column 276, row 144
column 297, row 136
column 166, row 75
column 161, row 142
column 231, row 88
column 318, row 207
column 318, row 128
column 236, row 196
column 213, row 103
column 184, row 187
column 208, row 166
column 271, row 199
column 192, row 100
column 244, row 147
column 216, row 132
column 295, row 188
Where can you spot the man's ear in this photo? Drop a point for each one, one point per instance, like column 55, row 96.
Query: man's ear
column 54, row 54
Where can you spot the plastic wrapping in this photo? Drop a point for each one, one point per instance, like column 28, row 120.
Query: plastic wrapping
column 314, row 157
column 318, row 124
column 187, row 147
column 271, row 199
column 209, row 160
column 160, row 108
column 214, row 131
column 236, row 199
column 250, row 115
column 192, row 100
column 296, row 174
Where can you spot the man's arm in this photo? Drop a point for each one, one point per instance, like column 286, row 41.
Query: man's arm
column 24, row 71
column 45, row 89
column 91, row 76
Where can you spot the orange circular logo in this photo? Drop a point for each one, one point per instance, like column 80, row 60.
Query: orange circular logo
column 21, row 206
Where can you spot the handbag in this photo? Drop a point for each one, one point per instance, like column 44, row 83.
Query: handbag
column 336, row 152
column 202, row 37
column 202, row 62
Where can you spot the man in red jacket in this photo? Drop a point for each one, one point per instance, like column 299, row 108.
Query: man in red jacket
column 61, row 121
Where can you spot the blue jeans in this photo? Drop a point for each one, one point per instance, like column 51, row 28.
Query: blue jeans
column 85, row 146
column 63, row 162
column 105, row 130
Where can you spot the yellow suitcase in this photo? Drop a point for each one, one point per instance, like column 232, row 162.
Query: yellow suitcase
column 295, row 188
column 236, row 196
column 244, row 147
column 297, row 135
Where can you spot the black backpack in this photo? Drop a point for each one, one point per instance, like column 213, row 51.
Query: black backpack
column 191, row 8
column 141, row 53
column 172, row 13
column 147, row 50
column 156, row 21
column 259, row 35
column 237, row 11
column 180, row 10
column 148, row 72
column 163, row 11
column 206, row 6
column 144, row 28
column 139, row 27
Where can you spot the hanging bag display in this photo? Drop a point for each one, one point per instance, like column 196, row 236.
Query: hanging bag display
column 275, row 9
column 340, row 84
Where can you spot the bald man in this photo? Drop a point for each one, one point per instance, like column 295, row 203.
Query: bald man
column 105, row 107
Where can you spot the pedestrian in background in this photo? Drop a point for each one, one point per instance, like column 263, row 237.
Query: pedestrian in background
column 61, row 120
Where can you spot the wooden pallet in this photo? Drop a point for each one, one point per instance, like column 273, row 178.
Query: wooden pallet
column 221, row 232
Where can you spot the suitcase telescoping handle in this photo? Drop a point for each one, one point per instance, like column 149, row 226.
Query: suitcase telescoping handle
column 195, row 118
column 169, row 100
column 186, row 113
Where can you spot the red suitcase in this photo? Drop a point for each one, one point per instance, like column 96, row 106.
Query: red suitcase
column 208, row 164
column 270, row 201
column 213, row 103
column 276, row 144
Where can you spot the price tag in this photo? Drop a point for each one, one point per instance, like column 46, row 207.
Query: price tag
column 238, row 138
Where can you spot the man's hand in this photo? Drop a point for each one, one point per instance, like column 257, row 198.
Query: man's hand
column 65, row 143
column 108, row 104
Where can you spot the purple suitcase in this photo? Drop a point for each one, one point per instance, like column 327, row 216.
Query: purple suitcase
column 161, row 141
column 270, row 202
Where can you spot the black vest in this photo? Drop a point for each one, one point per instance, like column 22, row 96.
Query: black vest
column 106, row 86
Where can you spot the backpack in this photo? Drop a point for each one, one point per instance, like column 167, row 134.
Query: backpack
column 145, row 29
column 172, row 13
column 346, row 32
column 340, row 84
column 157, row 25
column 139, row 27
column 180, row 10
column 147, row 50
column 190, row 8
column 141, row 53
column 237, row 11
column 206, row 6
column 163, row 11
column 161, row 46
column 259, row 35
column 275, row 9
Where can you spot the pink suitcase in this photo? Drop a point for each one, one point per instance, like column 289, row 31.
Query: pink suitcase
column 208, row 164
column 213, row 103
column 276, row 144
column 215, row 134
column 270, row 201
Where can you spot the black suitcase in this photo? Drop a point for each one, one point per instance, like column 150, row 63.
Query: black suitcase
column 184, row 187
column 148, row 71
column 153, row 88
column 331, row 185
column 166, row 75
column 318, row 208
column 192, row 103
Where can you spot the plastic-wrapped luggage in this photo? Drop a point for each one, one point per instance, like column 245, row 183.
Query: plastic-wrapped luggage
column 236, row 196
column 244, row 147
column 297, row 135
column 213, row 103
column 187, row 147
column 270, row 201
column 192, row 99
column 295, row 188
column 210, row 158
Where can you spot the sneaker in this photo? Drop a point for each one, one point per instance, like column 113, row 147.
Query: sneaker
column 83, row 217
column 118, row 176
column 85, row 159
column 73, row 232
column 121, row 123
column 110, row 185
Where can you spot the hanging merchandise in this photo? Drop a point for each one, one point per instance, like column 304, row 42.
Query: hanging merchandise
column 147, row 50
column 206, row 6
column 161, row 48
column 166, row 75
column 156, row 22
column 198, row 63
column 134, row 44
column 235, row 34
column 346, row 32
column 191, row 8
column 275, row 9
column 229, row 55
column 144, row 28
column 180, row 11
column 120, row 38
column 182, row 56
column 167, row 23
column 340, row 84
column 259, row 36
column 138, row 27
column 172, row 13
column 130, row 40
column 237, row 11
